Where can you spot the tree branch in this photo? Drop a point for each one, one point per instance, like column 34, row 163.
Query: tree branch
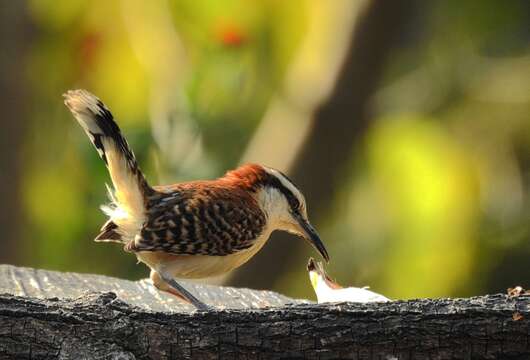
column 105, row 326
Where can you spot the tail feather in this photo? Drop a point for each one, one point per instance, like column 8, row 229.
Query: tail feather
column 130, row 186
column 109, row 233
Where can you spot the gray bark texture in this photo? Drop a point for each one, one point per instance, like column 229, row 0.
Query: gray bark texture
column 104, row 325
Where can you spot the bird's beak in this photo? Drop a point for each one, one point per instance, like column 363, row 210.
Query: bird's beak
column 311, row 235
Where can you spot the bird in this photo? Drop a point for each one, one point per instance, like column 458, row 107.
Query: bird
column 194, row 229
column 329, row 291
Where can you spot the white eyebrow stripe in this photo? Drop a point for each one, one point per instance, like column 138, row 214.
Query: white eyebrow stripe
column 287, row 184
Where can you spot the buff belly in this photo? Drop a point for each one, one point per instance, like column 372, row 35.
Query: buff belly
column 198, row 266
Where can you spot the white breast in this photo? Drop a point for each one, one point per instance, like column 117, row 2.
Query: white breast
column 200, row 266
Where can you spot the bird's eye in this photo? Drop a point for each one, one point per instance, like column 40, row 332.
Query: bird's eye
column 296, row 205
column 300, row 207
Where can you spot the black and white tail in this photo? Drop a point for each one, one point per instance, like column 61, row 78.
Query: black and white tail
column 127, row 212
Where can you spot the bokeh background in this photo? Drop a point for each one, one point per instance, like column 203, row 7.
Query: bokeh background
column 406, row 123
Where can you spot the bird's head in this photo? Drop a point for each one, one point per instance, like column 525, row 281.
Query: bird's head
column 281, row 201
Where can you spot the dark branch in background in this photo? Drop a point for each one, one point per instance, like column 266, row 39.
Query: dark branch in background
column 102, row 326
column 14, row 33
column 338, row 128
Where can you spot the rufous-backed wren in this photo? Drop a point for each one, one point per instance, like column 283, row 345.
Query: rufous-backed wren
column 193, row 229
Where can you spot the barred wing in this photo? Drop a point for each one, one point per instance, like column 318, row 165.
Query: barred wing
column 205, row 222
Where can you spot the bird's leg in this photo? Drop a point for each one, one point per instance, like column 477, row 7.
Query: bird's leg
column 174, row 288
column 185, row 294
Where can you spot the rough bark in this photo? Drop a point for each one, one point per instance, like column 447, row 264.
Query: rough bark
column 105, row 326
column 27, row 282
column 102, row 326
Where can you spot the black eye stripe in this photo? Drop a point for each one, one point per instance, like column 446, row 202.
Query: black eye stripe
column 293, row 201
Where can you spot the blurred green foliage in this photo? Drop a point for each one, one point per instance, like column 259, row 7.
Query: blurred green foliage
column 440, row 195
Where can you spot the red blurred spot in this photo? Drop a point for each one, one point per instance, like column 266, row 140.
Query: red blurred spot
column 231, row 35
column 88, row 49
